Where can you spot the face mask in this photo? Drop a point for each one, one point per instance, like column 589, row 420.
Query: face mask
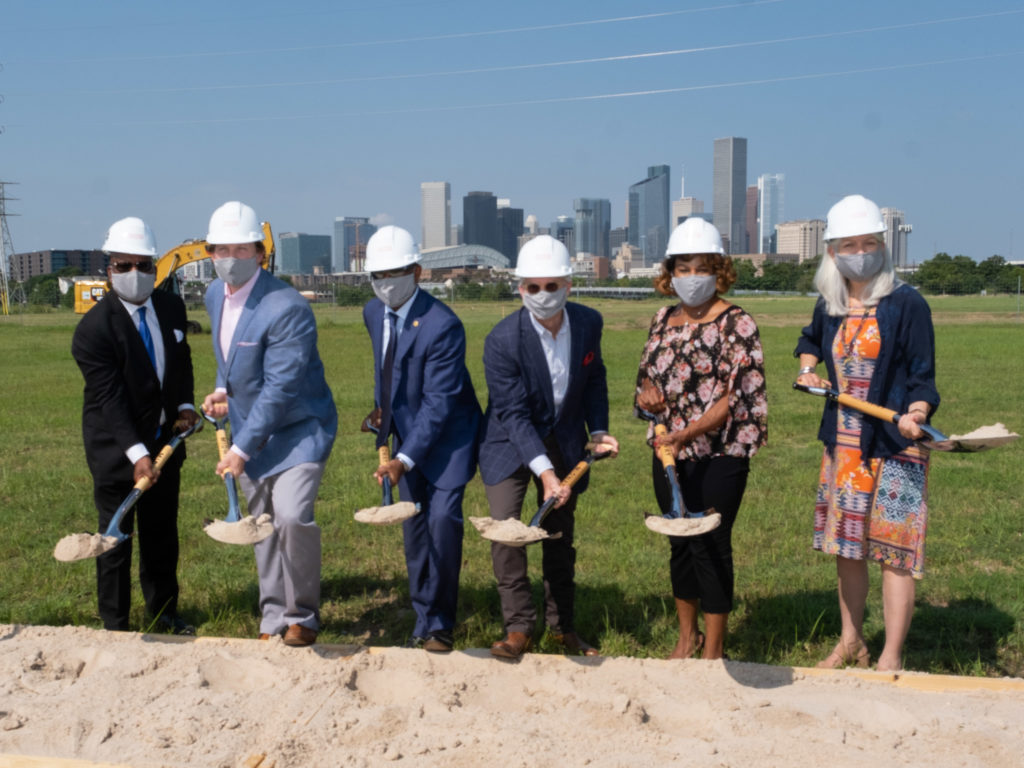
column 860, row 267
column 133, row 286
column 235, row 272
column 544, row 305
column 695, row 290
column 395, row 291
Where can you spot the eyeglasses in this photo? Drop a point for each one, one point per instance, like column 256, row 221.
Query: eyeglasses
column 145, row 267
column 532, row 288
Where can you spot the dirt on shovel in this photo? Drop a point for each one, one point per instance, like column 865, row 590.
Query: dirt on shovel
column 248, row 530
column 387, row 515
column 683, row 526
column 82, row 546
column 513, row 532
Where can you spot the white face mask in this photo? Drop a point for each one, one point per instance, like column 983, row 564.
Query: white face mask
column 544, row 305
column 860, row 267
column 395, row 291
column 234, row 271
column 694, row 290
column 133, row 286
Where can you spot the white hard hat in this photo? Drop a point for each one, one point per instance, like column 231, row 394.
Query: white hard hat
column 543, row 256
column 130, row 235
column 853, row 215
column 390, row 248
column 234, row 223
column 695, row 235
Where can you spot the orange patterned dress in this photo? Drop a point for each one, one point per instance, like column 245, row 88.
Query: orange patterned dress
column 875, row 509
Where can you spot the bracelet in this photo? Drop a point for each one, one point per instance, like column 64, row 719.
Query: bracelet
column 806, row 369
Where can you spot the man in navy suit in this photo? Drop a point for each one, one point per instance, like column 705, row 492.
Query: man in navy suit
column 432, row 413
column 547, row 389
column 135, row 359
column 270, row 381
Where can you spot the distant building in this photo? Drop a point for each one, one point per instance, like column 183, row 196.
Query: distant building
column 33, row 263
column 349, row 243
column 616, row 237
column 531, row 224
column 592, row 226
column 455, row 237
column 480, row 220
column 510, row 227
column 628, row 260
column 649, row 214
column 770, row 205
column 750, row 228
column 730, row 185
column 896, row 232
column 564, row 229
column 803, row 237
column 591, row 267
column 302, row 254
column 684, row 208
column 435, row 214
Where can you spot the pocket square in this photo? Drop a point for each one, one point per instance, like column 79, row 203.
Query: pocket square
column 248, row 344
column 179, row 335
column 589, row 358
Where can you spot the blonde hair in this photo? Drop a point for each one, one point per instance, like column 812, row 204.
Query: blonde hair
column 835, row 290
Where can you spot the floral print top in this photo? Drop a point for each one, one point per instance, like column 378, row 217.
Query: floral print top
column 695, row 365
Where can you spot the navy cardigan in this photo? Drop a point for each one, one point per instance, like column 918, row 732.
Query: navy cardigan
column 904, row 371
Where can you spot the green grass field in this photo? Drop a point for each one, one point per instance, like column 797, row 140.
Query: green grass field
column 969, row 606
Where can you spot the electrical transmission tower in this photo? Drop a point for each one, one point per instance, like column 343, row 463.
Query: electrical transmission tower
column 6, row 252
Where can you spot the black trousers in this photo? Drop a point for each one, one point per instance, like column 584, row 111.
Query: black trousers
column 701, row 566
column 558, row 556
column 157, row 511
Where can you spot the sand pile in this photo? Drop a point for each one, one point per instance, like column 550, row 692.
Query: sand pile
column 144, row 701
column 513, row 532
column 683, row 526
column 392, row 513
column 248, row 530
column 80, row 546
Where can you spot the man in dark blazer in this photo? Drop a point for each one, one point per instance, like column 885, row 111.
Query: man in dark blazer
column 547, row 389
column 433, row 415
column 135, row 358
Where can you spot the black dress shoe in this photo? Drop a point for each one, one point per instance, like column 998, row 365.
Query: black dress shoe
column 440, row 641
column 174, row 625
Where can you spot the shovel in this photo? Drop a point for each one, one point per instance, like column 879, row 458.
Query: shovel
column 82, row 546
column 389, row 510
column 513, row 532
column 234, row 529
column 680, row 521
column 978, row 440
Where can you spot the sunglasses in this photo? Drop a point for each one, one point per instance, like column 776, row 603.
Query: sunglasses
column 390, row 273
column 145, row 267
column 532, row 288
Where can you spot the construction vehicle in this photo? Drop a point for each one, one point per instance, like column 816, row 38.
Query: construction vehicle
column 90, row 290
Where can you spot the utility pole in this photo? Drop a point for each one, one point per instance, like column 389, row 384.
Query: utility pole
column 6, row 251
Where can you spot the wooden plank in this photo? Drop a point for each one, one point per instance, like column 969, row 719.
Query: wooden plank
column 28, row 761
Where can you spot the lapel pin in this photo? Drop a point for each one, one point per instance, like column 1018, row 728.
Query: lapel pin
column 415, row 323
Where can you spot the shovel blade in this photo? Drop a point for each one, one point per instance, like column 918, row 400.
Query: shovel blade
column 82, row 546
column 249, row 530
column 388, row 514
column 511, row 532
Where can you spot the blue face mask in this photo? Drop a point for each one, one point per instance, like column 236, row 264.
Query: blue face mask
column 860, row 267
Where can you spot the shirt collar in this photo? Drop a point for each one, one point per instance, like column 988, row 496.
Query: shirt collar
column 541, row 330
column 133, row 308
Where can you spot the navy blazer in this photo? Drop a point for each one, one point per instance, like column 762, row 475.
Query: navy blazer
column 123, row 397
column 282, row 411
column 520, row 412
column 904, row 371
column 435, row 413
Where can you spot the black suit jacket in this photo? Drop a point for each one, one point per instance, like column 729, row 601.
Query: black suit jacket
column 123, row 398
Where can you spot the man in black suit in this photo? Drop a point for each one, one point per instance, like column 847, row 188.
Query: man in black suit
column 134, row 356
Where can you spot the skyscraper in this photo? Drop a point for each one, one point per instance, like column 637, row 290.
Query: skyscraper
column 563, row 229
column 592, row 226
column 730, row 186
column 435, row 214
column 510, row 227
column 770, row 209
column 648, row 214
column 303, row 254
column 896, row 231
column 480, row 220
column 805, row 238
column 750, row 221
column 350, row 236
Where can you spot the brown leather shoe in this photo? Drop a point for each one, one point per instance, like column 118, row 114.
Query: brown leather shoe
column 513, row 646
column 573, row 643
column 299, row 635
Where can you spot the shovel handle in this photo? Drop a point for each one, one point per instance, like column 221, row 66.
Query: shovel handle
column 885, row 414
column 383, row 455
column 664, row 451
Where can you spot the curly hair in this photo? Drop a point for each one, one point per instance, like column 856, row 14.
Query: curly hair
column 721, row 268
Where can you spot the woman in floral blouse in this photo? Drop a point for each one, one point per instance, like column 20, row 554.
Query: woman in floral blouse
column 702, row 374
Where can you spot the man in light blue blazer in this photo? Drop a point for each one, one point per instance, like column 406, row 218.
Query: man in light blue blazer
column 547, row 389
column 270, row 381
column 428, row 406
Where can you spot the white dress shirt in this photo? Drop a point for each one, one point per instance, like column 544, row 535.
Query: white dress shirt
column 400, row 317
column 556, row 353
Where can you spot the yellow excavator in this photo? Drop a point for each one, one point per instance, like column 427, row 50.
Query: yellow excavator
column 89, row 290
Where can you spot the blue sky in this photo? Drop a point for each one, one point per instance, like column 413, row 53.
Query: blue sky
column 322, row 109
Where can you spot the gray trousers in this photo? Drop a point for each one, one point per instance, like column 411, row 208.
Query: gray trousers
column 288, row 562
column 558, row 559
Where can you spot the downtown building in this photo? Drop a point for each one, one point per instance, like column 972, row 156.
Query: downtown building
column 435, row 214
column 649, row 214
column 730, row 191
column 33, row 263
column 302, row 254
column 592, row 226
column 896, row 232
column 510, row 228
column 804, row 238
column 349, row 243
column 480, row 220
column 770, row 205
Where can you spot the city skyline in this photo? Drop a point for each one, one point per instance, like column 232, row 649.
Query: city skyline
column 323, row 111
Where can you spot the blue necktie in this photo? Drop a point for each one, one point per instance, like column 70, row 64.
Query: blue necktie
column 147, row 337
column 386, row 379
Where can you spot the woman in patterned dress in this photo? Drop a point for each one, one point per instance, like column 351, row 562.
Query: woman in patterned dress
column 702, row 374
column 874, row 334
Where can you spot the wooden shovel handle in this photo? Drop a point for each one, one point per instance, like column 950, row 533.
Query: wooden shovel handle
column 383, row 455
column 222, row 442
column 577, row 472
column 664, row 451
column 885, row 414
column 161, row 459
